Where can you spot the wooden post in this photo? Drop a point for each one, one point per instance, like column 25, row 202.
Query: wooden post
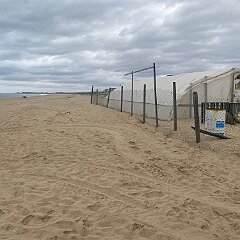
column 97, row 97
column 92, row 95
column 175, row 106
column 155, row 93
column 121, row 98
column 109, row 92
column 232, row 87
column 196, row 117
column 132, row 97
column 202, row 112
column 144, row 103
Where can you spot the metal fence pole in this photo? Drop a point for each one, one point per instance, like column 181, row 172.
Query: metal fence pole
column 155, row 93
column 121, row 98
column 132, row 97
column 196, row 116
column 92, row 95
column 175, row 106
column 109, row 92
column 97, row 97
column 205, row 91
column 190, row 101
column 144, row 103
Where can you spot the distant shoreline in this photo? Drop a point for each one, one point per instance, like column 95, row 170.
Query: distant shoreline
column 28, row 94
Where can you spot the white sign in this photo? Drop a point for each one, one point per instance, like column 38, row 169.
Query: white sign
column 215, row 120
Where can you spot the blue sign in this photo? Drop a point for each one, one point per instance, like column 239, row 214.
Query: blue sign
column 220, row 124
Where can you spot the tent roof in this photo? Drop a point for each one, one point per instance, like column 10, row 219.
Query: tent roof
column 184, row 81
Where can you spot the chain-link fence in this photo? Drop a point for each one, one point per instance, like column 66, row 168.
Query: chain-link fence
column 177, row 124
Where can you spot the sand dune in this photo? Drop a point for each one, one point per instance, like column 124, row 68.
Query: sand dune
column 71, row 170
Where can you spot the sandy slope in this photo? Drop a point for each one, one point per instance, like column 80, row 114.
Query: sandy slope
column 71, row 170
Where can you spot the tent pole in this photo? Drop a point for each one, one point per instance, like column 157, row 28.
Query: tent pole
column 205, row 90
column 190, row 101
column 121, row 98
column 108, row 99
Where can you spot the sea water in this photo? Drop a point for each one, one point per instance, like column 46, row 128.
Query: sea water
column 14, row 95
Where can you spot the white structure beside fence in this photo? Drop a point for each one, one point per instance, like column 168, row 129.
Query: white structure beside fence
column 214, row 85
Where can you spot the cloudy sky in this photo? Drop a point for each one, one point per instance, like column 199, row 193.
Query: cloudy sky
column 68, row 45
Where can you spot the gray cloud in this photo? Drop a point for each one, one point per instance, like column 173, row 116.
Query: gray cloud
column 71, row 44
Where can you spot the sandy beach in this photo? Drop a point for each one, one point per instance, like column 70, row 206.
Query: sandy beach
column 70, row 170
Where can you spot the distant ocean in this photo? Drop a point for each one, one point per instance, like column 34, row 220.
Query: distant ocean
column 14, row 95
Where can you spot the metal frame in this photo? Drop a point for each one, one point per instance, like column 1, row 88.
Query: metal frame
column 121, row 98
column 155, row 88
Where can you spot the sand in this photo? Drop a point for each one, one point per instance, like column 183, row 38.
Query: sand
column 71, row 170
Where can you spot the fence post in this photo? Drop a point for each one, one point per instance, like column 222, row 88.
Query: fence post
column 92, row 95
column 202, row 111
column 190, row 101
column 132, row 97
column 175, row 106
column 155, row 93
column 196, row 116
column 144, row 103
column 109, row 92
column 232, row 87
column 205, row 91
column 121, row 98
column 97, row 97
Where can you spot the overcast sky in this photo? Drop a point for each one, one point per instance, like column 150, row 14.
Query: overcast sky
column 68, row 45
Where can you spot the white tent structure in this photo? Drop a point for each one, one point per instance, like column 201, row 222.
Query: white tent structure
column 212, row 86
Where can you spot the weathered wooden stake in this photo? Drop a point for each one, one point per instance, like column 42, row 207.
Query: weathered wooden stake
column 144, row 103
column 175, row 106
column 92, row 95
column 196, row 117
column 121, row 98
column 97, row 97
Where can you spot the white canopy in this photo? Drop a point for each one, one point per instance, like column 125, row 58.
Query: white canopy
column 219, row 88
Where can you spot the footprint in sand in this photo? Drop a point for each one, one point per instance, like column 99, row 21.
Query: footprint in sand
column 133, row 145
column 141, row 230
column 94, row 207
column 7, row 228
column 75, row 214
column 111, row 222
column 1, row 212
column 64, row 225
column 35, row 220
column 153, row 194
